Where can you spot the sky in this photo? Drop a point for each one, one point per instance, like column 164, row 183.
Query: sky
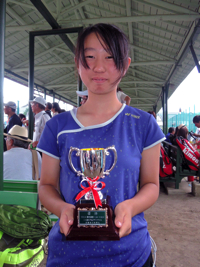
column 186, row 96
column 16, row 92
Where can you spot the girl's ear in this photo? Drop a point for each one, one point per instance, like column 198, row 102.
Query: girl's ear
column 129, row 62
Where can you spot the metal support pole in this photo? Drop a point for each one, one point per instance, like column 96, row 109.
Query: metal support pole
column 2, row 55
column 80, row 88
column 53, row 96
column 31, row 83
column 52, row 22
column 45, row 93
column 195, row 58
column 80, row 83
column 165, row 110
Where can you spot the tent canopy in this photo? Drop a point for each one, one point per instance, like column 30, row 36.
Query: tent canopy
column 162, row 34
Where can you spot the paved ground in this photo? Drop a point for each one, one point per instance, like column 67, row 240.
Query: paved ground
column 173, row 223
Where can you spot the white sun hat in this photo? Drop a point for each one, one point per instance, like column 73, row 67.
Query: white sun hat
column 39, row 100
column 18, row 132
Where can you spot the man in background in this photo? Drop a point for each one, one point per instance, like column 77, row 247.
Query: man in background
column 48, row 109
column 17, row 160
column 169, row 135
column 196, row 121
column 38, row 105
column 9, row 109
column 13, row 119
column 123, row 98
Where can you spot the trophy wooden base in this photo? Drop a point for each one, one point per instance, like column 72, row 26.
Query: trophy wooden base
column 93, row 224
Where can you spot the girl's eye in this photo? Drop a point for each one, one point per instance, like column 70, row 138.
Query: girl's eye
column 109, row 57
column 89, row 57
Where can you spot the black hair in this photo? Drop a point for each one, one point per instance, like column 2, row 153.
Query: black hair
column 119, row 89
column 196, row 119
column 181, row 130
column 20, row 143
column 152, row 113
column 22, row 116
column 13, row 109
column 115, row 42
column 56, row 106
column 49, row 105
column 171, row 129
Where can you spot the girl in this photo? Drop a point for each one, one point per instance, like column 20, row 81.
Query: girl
column 102, row 60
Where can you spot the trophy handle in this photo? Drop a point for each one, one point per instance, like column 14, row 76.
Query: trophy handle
column 70, row 159
column 107, row 172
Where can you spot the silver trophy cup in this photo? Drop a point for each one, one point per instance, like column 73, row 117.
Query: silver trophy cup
column 92, row 163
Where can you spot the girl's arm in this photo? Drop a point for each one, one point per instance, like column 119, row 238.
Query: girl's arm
column 49, row 193
column 147, row 195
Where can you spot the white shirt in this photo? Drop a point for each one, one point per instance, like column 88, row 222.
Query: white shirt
column 17, row 164
column 54, row 114
column 198, row 132
column 40, row 120
column 121, row 96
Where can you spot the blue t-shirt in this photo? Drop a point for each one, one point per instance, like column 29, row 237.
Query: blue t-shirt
column 131, row 131
column 168, row 137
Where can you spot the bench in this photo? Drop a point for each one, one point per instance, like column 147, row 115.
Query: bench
column 19, row 193
column 23, row 193
column 175, row 154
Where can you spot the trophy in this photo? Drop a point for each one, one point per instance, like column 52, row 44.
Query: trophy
column 93, row 216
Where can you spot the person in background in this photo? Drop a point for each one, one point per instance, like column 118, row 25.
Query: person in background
column 152, row 113
column 62, row 110
column 55, row 109
column 23, row 120
column 17, row 160
column 102, row 59
column 41, row 117
column 48, row 109
column 171, row 132
column 123, row 98
column 196, row 121
column 83, row 95
column 22, row 117
column 13, row 119
column 181, row 130
column 9, row 109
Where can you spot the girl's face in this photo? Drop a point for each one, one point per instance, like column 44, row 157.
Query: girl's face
column 102, row 74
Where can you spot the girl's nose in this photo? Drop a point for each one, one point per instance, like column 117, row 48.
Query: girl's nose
column 99, row 65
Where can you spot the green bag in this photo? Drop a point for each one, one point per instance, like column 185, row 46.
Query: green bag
column 24, row 222
column 22, row 230
column 15, row 252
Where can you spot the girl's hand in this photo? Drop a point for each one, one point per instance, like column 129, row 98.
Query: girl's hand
column 66, row 218
column 123, row 218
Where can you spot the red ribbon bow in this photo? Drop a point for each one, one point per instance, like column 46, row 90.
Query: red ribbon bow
column 92, row 187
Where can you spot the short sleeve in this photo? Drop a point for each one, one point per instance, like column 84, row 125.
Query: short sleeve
column 48, row 141
column 153, row 135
